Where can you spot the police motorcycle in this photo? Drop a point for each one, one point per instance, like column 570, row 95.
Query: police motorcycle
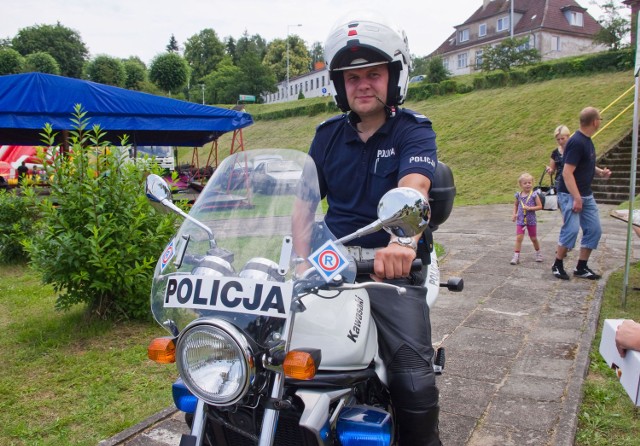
column 273, row 347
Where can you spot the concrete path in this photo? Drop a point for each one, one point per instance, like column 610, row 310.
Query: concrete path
column 517, row 339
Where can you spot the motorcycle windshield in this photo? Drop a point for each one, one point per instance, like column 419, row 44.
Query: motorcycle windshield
column 258, row 228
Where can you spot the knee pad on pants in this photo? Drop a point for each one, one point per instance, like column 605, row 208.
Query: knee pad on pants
column 413, row 384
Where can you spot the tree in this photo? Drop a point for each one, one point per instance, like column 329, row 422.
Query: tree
column 136, row 73
column 250, row 44
column 316, row 53
column 256, row 78
column 99, row 244
column 41, row 62
column 419, row 65
column 172, row 46
column 222, row 86
column 169, row 71
column 107, row 70
column 276, row 57
column 203, row 52
column 436, row 72
column 230, row 47
column 614, row 26
column 11, row 62
column 511, row 52
column 64, row 44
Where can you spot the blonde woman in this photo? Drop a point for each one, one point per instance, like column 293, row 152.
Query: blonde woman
column 561, row 134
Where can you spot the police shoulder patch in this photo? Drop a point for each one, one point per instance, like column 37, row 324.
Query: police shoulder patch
column 417, row 117
column 331, row 120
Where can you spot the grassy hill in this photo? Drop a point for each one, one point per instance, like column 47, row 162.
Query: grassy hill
column 488, row 137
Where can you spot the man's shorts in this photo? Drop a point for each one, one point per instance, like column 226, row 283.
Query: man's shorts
column 588, row 219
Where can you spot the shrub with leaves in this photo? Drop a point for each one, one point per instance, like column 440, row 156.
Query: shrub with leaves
column 99, row 239
column 18, row 215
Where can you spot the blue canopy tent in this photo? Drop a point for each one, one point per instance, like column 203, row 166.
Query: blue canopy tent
column 28, row 101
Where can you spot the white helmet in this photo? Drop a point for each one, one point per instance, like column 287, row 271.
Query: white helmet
column 362, row 40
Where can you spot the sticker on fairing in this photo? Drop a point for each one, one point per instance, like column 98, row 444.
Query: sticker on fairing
column 229, row 294
column 328, row 261
column 167, row 255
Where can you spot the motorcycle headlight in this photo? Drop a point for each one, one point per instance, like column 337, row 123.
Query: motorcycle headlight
column 215, row 361
column 259, row 268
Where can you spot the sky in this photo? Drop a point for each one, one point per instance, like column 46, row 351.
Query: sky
column 143, row 28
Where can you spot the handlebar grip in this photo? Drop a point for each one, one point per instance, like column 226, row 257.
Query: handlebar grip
column 366, row 266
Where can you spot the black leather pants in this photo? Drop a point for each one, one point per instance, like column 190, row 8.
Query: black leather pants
column 404, row 336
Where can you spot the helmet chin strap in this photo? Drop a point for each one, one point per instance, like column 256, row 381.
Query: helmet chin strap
column 391, row 111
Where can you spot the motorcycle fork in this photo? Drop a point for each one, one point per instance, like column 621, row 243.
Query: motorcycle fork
column 197, row 428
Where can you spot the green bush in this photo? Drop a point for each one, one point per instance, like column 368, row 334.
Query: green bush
column 480, row 82
column 464, row 88
column 609, row 61
column 305, row 110
column 569, row 67
column 98, row 239
column 18, row 217
column 517, row 78
column 497, row 79
column 541, row 72
column 316, row 109
column 448, row 86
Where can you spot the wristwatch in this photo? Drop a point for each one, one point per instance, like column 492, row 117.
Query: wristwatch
column 409, row 242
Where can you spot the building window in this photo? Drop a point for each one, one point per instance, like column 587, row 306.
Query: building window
column 482, row 30
column 462, row 60
column 323, row 81
column 575, row 18
column 463, row 35
column 445, row 63
column 555, row 43
column 503, row 24
column 479, row 58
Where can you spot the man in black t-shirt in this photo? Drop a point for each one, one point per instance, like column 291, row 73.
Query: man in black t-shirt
column 575, row 198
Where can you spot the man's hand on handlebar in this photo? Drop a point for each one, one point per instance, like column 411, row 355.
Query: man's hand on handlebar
column 393, row 262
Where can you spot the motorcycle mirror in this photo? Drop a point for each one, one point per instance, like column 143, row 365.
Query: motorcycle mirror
column 157, row 191
column 159, row 196
column 404, row 212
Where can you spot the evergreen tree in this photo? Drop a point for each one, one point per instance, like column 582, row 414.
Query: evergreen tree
column 172, row 46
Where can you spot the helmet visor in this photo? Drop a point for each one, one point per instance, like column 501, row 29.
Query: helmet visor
column 357, row 57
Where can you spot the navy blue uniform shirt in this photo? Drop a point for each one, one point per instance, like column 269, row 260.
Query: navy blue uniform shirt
column 580, row 152
column 354, row 175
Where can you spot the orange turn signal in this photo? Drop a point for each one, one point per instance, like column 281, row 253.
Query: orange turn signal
column 162, row 350
column 299, row 365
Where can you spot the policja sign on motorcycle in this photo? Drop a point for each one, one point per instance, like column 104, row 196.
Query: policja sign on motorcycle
column 229, row 294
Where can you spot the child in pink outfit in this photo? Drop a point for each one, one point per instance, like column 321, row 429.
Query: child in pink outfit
column 527, row 202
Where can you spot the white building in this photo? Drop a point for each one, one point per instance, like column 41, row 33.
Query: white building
column 556, row 28
column 312, row 85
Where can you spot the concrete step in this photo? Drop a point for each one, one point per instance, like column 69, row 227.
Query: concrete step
column 610, row 198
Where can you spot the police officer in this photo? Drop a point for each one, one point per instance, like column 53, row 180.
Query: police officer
column 372, row 147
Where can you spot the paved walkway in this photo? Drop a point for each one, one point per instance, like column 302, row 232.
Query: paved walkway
column 517, row 339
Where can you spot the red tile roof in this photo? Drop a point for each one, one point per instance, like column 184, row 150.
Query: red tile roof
column 536, row 15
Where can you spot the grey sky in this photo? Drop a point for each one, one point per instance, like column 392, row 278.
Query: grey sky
column 142, row 28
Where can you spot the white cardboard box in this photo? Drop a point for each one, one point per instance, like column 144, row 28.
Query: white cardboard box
column 627, row 368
